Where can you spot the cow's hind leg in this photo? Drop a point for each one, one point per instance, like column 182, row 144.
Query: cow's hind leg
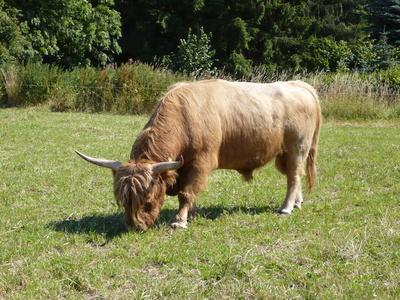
column 292, row 166
column 192, row 184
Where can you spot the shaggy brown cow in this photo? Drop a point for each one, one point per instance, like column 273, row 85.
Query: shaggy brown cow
column 215, row 124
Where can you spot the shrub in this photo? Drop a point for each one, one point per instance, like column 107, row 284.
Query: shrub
column 194, row 55
column 134, row 88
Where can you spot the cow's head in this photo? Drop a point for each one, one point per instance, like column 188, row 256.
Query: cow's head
column 139, row 187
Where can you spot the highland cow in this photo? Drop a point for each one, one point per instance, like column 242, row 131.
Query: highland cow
column 202, row 126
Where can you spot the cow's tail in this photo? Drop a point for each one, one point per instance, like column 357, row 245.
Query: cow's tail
column 311, row 171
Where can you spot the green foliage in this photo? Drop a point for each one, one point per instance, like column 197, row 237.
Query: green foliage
column 384, row 22
column 385, row 53
column 129, row 88
column 364, row 56
column 330, row 55
column 194, row 55
column 240, row 36
column 384, row 17
column 278, row 35
column 239, row 66
column 391, row 77
column 68, row 33
column 293, row 36
column 134, row 88
column 14, row 42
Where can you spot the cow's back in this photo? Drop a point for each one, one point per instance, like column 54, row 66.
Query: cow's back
column 245, row 124
column 241, row 125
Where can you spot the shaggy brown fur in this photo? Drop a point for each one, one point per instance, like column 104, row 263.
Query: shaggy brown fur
column 216, row 124
column 136, row 188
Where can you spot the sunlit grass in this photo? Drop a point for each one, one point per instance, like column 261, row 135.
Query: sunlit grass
column 62, row 236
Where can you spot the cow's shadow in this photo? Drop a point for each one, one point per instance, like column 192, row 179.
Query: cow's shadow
column 112, row 225
column 214, row 212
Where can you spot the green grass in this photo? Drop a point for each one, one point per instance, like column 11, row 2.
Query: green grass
column 62, row 236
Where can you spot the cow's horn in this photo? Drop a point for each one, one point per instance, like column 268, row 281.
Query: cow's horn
column 111, row 164
column 167, row 166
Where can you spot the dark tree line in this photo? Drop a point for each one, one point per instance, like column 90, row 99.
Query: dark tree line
column 298, row 35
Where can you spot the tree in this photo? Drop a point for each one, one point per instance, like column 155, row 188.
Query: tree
column 68, row 32
column 330, row 55
column 278, row 34
column 314, row 35
column 194, row 55
column 384, row 17
column 13, row 41
column 154, row 28
column 385, row 53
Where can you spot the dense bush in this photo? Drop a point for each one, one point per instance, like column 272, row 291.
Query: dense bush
column 128, row 88
column 67, row 33
column 194, row 56
column 134, row 88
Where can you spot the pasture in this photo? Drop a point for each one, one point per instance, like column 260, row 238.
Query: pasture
column 62, row 235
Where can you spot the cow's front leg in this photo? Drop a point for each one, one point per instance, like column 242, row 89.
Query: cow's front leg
column 187, row 208
column 192, row 184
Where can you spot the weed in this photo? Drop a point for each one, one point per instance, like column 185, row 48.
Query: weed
column 11, row 85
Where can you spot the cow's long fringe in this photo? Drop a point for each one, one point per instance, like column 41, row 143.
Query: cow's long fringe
column 141, row 193
column 131, row 193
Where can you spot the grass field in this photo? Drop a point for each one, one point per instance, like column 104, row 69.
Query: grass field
column 62, row 236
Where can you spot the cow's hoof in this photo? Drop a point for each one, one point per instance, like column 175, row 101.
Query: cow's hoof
column 284, row 211
column 297, row 205
column 178, row 225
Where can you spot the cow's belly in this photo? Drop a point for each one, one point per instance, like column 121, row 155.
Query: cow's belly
column 245, row 155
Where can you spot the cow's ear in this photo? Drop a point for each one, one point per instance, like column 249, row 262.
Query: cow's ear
column 169, row 177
